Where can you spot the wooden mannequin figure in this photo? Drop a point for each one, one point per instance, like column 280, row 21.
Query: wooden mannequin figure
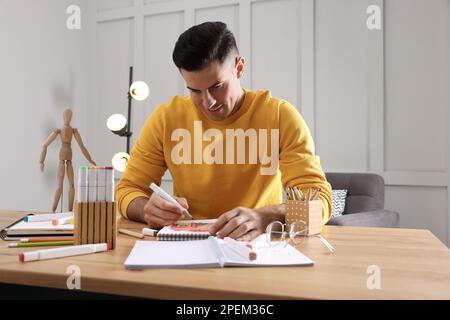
column 65, row 157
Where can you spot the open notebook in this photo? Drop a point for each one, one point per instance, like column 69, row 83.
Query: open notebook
column 211, row 252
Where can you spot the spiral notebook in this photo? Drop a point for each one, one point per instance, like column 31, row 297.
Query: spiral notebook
column 210, row 253
column 185, row 230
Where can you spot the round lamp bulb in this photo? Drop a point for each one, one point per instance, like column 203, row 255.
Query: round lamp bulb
column 120, row 161
column 116, row 122
column 139, row 90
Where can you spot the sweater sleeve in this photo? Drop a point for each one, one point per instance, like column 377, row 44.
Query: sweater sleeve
column 146, row 163
column 299, row 165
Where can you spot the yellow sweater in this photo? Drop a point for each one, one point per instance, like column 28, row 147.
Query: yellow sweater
column 216, row 165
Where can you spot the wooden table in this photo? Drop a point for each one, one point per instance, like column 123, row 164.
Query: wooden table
column 414, row 264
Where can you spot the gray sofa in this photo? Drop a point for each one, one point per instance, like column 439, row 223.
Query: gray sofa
column 364, row 205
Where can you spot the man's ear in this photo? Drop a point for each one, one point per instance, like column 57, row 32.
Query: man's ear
column 240, row 63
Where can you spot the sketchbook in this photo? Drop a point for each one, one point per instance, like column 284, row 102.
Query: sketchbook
column 208, row 253
column 21, row 229
column 185, row 230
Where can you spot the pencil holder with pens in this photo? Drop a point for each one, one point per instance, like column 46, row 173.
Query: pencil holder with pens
column 95, row 222
column 95, row 210
column 310, row 212
column 304, row 208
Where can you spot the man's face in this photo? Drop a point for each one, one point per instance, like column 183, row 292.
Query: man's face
column 216, row 89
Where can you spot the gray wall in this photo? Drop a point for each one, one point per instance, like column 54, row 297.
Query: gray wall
column 44, row 68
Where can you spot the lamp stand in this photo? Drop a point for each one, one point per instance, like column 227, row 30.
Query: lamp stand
column 129, row 133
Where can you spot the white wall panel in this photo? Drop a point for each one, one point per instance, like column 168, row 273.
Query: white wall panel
column 228, row 14
column 104, row 5
column 115, row 45
column 420, row 208
column 43, row 69
column 161, row 74
column 275, row 31
column 415, row 48
column 341, row 85
column 156, row 1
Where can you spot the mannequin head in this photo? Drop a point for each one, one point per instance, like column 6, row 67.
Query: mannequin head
column 67, row 116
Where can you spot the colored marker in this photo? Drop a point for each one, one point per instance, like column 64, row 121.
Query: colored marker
column 82, row 188
column 58, row 222
column 131, row 233
column 40, row 244
column 109, row 183
column 149, row 232
column 45, row 239
column 101, row 184
column 92, row 184
column 63, row 252
column 244, row 251
column 160, row 192
column 47, row 217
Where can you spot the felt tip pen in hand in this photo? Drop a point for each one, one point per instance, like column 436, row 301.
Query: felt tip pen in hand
column 160, row 192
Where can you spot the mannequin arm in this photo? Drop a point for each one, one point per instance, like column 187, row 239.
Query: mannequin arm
column 82, row 147
column 47, row 142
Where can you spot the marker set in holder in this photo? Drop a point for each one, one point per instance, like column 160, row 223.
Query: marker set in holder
column 95, row 210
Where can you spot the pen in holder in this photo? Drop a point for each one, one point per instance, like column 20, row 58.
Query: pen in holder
column 306, row 208
column 95, row 210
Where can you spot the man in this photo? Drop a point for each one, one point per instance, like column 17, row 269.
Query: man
column 229, row 150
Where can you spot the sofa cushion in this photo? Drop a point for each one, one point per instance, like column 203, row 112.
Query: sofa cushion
column 338, row 199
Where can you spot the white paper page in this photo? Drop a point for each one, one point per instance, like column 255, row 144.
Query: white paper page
column 267, row 255
column 173, row 254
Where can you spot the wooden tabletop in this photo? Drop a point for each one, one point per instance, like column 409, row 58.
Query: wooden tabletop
column 413, row 264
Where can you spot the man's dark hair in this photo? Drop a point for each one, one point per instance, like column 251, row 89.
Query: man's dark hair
column 202, row 44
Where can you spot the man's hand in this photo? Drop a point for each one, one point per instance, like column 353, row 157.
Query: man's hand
column 242, row 224
column 42, row 166
column 158, row 212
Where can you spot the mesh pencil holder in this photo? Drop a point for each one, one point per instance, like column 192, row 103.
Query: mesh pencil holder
column 310, row 212
column 95, row 222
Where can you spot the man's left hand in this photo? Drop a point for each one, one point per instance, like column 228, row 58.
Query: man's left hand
column 242, row 224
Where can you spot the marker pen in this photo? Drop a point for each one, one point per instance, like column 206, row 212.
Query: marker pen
column 109, row 184
column 101, row 183
column 63, row 252
column 82, row 187
column 92, row 184
column 47, row 217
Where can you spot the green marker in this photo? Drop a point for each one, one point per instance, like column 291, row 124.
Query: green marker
column 40, row 244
